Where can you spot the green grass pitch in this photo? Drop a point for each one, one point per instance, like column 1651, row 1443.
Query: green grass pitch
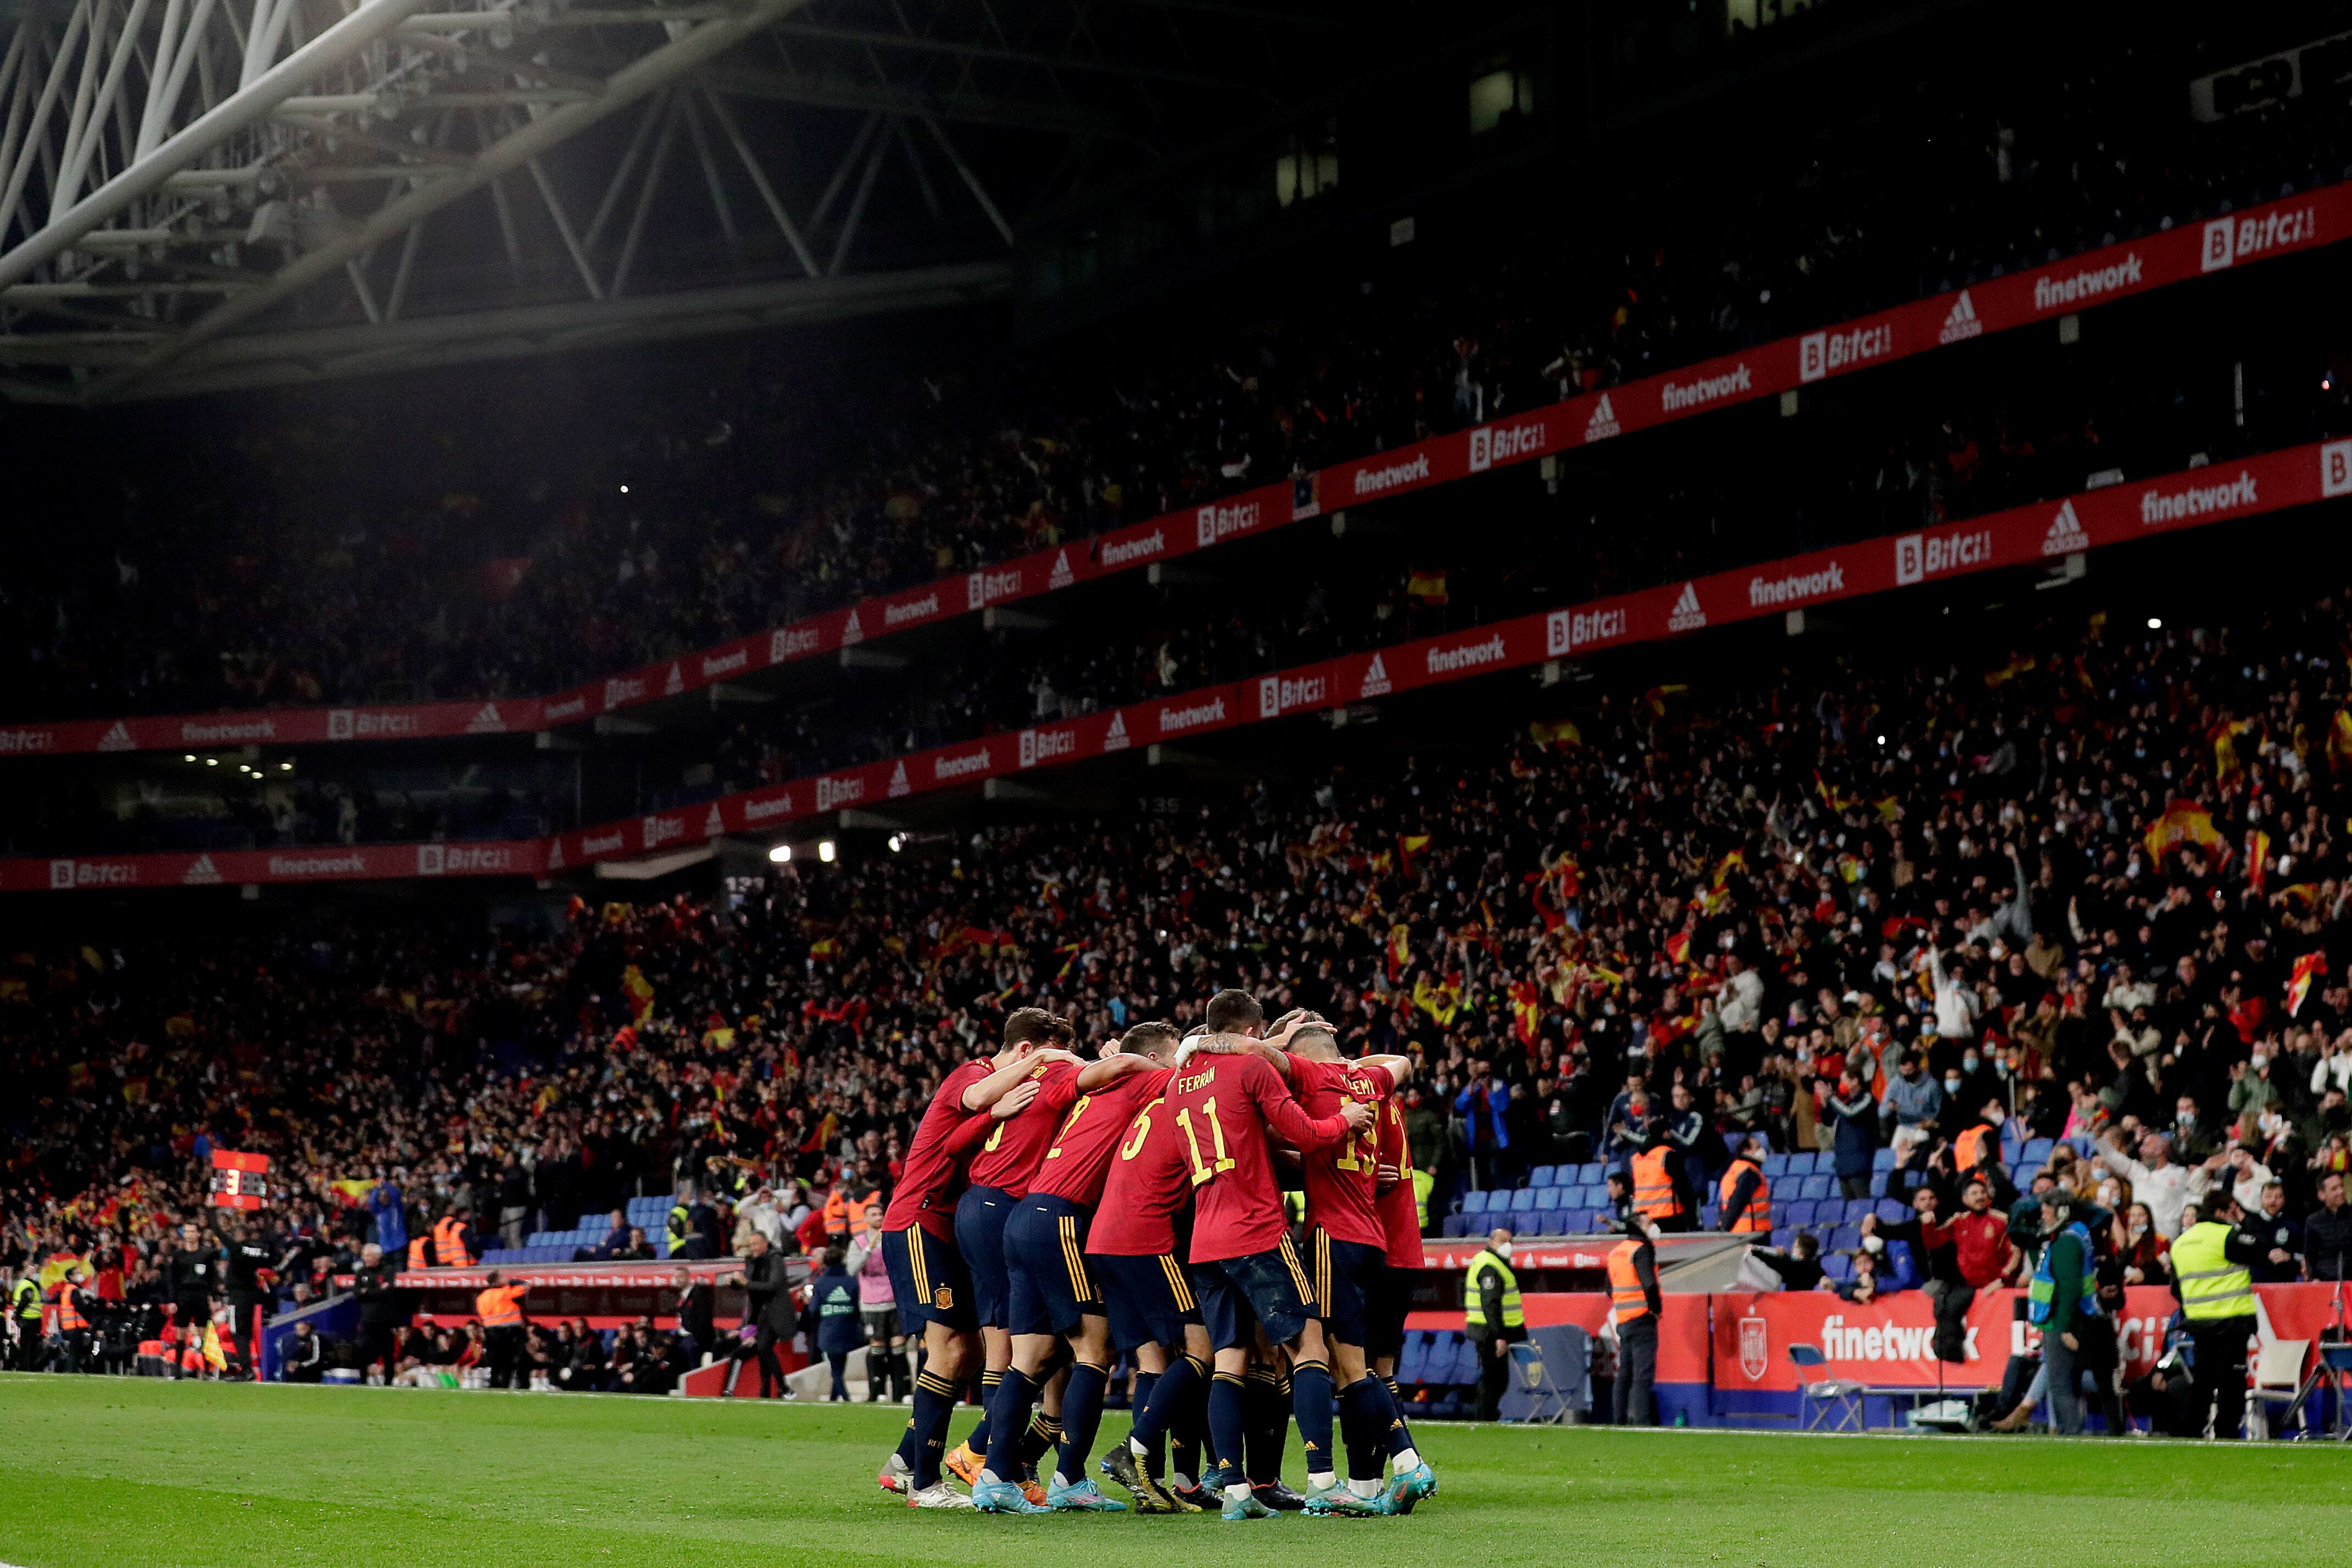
column 103, row 1472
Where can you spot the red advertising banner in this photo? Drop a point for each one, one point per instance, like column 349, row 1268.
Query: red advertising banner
column 2021, row 536
column 2040, row 294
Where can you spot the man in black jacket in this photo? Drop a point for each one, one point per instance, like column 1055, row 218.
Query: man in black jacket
column 2327, row 1232
column 249, row 1252
column 694, row 1320
column 763, row 1282
column 192, row 1278
column 384, row 1307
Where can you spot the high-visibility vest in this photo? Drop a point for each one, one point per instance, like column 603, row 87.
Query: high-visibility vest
column 2210, row 1285
column 417, row 1256
column 2042, row 1291
column 1653, row 1185
column 28, row 1301
column 837, row 1213
column 499, row 1306
column 1758, row 1214
column 1627, row 1300
column 1473, row 1303
column 449, row 1243
column 70, row 1318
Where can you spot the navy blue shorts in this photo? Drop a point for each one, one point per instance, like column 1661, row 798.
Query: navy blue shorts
column 1260, row 1289
column 1391, row 1300
column 1148, row 1298
column 929, row 1280
column 1045, row 1264
column 980, row 1215
column 1347, row 1277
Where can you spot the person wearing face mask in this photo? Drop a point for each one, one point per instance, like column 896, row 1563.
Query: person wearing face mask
column 2192, row 1140
column 2139, row 1251
column 1492, row 1317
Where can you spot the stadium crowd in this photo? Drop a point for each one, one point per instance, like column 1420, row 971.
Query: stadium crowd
column 735, row 503
column 2090, row 887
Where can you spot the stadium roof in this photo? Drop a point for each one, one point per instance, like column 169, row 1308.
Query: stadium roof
column 206, row 194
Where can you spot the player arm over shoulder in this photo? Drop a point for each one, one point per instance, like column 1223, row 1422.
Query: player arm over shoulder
column 988, row 1091
column 1109, row 1069
column 1398, row 1068
column 1283, row 1113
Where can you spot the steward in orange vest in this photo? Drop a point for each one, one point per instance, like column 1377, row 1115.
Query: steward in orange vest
column 1655, row 1192
column 1745, row 1195
column 449, row 1249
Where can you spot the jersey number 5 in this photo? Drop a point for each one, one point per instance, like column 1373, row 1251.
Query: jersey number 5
column 1204, row 1170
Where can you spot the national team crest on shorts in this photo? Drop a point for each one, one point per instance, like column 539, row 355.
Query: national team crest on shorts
column 943, row 1299
column 1754, row 1356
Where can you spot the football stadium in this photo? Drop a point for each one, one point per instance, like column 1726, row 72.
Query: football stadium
column 1538, row 781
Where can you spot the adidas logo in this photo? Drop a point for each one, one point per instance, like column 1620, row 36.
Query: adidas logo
column 1061, row 576
column 1376, row 678
column 204, row 871
column 714, row 824
column 853, row 631
column 676, row 683
column 1603, row 422
column 2065, row 536
column 1114, row 737
column 489, row 721
column 115, row 738
column 1687, row 614
column 899, row 785
column 555, row 855
column 1962, row 322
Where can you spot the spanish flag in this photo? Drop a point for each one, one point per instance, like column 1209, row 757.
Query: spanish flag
column 640, row 992
column 2339, row 738
column 1678, row 946
column 2258, row 852
column 1527, row 1010
column 2224, row 738
column 2184, row 823
column 1427, row 586
column 1400, row 951
column 1563, row 733
column 2019, row 664
column 1654, row 699
column 1408, row 846
column 2298, row 984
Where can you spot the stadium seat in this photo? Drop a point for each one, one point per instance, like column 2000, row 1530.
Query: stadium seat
column 1801, row 1212
column 1707, row 1215
column 1882, row 1160
column 1891, row 1212
column 2037, row 1150
column 1474, row 1202
column 1548, row 1199
column 1776, row 1165
column 1818, row 1186
column 1783, row 1237
column 1450, row 1227
column 1780, row 1212
column 1593, row 1172
column 1838, row 1267
column 1804, row 1164
column 1878, row 1180
column 1413, row 1359
column 1855, row 1208
column 1542, row 1176
column 1845, row 1238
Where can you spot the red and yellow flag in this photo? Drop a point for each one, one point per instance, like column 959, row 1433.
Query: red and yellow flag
column 2298, row 984
column 1427, row 585
column 2184, row 823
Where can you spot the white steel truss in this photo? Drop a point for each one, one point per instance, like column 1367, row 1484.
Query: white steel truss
column 202, row 194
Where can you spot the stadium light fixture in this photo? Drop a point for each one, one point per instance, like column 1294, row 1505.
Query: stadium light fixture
column 897, row 842
column 285, row 768
column 212, row 762
column 825, row 851
column 624, row 489
column 782, row 854
column 190, row 756
column 2155, row 622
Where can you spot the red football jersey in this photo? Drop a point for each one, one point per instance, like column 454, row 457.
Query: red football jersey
column 1399, row 1209
column 1080, row 1155
column 927, row 1184
column 1222, row 1107
column 1339, row 1181
column 1009, row 1158
column 1143, row 1190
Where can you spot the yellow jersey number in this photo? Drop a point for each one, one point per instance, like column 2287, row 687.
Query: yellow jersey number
column 1204, row 1170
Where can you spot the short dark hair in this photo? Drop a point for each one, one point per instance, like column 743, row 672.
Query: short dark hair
column 1232, row 1012
column 1148, row 1036
column 1024, row 1025
column 1805, row 1244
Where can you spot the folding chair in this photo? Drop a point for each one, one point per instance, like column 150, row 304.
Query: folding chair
column 1826, row 1404
column 1551, row 1407
column 2279, row 1381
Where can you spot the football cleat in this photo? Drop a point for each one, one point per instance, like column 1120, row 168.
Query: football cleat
column 1277, row 1497
column 1081, row 1497
column 1337, row 1500
column 1194, row 1499
column 1003, row 1497
column 895, row 1476
column 1409, row 1487
column 1245, row 1506
column 939, row 1494
column 963, row 1464
column 1033, row 1489
column 1149, row 1496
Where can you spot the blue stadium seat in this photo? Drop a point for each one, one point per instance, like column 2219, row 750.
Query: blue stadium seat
column 1800, row 1213
column 1883, row 1160
column 1892, row 1212
column 1451, row 1227
column 1413, row 1357
column 2037, row 1150
column 1783, row 1237
column 1804, row 1164
column 1474, row 1202
column 1547, row 1200
column 1776, row 1165
column 1594, row 1172
column 1838, row 1267
column 1780, row 1212
column 1845, row 1238
column 1541, row 1177
column 1855, row 1208
column 1707, row 1215
column 1878, row 1183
